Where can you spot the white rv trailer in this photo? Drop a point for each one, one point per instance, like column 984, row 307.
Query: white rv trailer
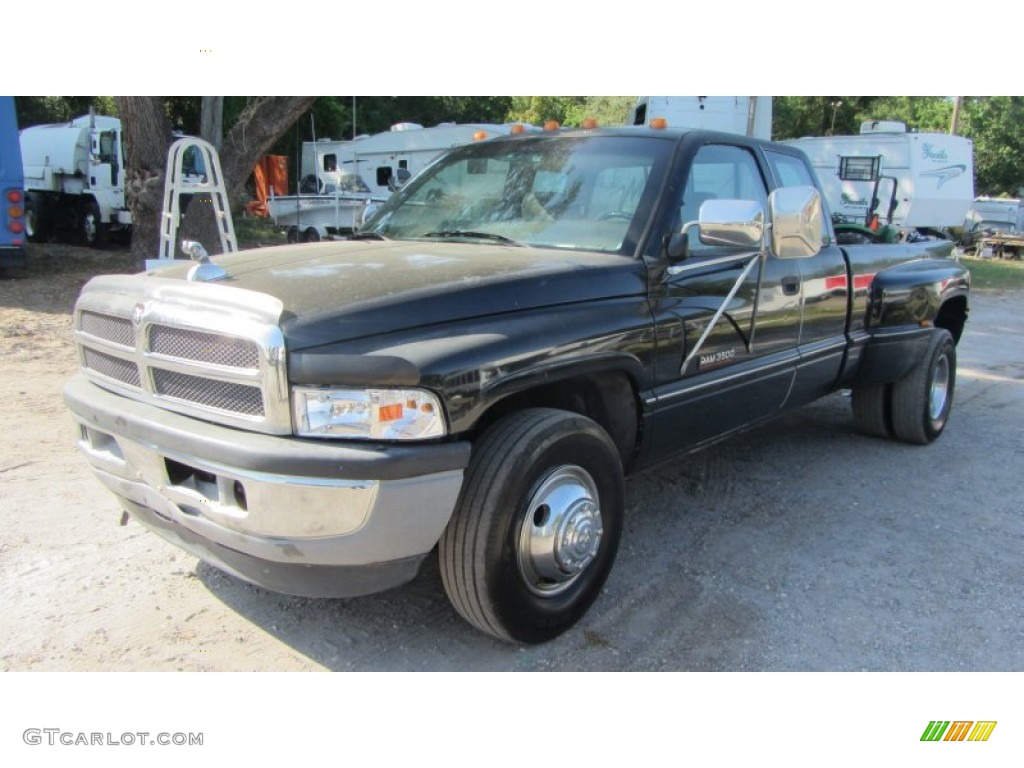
column 932, row 175
column 386, row 160
column 745, row 115
column 339, row 179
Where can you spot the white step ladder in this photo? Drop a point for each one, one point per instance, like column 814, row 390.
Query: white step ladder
column 208, row 183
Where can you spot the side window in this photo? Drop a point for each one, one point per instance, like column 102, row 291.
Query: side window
column 793, row 172
column 108, row 143
column 719, row 172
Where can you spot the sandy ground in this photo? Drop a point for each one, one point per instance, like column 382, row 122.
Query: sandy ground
column 798, row 546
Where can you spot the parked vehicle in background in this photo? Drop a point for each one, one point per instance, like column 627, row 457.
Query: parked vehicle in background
column 74, row 180
column 474, row 372
column 887, row 183
column 744, row 115
column 339, row 179
column 12, row 193
column 999, row 220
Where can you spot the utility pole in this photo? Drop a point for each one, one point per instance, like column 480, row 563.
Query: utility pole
column 954, row 124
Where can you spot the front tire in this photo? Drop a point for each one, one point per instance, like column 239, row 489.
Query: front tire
column 92, row 231
column 537, row 526
column 922, row 400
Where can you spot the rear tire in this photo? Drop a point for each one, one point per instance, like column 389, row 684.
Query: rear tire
column 537, row 525
column 871, row 410
column 922, row 400
column 37, row 225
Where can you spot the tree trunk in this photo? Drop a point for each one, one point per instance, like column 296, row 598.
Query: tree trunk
column 211, row 120
column 147, row 138
column 261, row 124
column 147, row 135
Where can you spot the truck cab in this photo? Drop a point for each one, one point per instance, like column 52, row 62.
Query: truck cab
column 74, row 180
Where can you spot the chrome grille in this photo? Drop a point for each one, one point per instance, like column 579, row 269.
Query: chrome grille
column 222, row 395
column 203, row 347
column 116, row 329
column 211, row 351
column 124, row 371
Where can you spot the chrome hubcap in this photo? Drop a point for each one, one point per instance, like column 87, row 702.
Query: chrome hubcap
column 939, row 390
column 89, row 226
column 561, row 532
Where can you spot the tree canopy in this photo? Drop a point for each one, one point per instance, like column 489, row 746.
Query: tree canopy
column 994, row 123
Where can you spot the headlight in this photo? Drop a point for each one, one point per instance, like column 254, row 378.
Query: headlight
column 367, row 414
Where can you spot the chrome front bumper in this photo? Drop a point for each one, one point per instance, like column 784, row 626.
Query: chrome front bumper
column 307, row 517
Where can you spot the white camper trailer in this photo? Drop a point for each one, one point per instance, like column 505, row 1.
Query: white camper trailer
column 921, row 181
column 745, row 115
column 339, row 179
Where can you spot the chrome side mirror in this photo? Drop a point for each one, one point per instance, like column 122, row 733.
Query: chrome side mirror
column 732, row 223
column 796, row 217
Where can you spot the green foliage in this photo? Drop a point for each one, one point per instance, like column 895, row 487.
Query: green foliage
column 254, row 232
column 996, row 125
column 40, row 110
column 995, row 274
column 928, row 114
column 609, row 110
column 796, row 116
column 567, row 110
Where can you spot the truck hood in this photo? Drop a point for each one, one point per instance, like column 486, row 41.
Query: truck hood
column 343, row 290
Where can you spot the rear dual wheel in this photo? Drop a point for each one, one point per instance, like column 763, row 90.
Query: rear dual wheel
column 537, row 525
column 914, row 409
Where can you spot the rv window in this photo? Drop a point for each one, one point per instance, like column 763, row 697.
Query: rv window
column 383, row 175
column 859, row 168
column 403, row 164
column 330, row 162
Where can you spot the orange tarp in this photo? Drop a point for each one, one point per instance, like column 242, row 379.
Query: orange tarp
column 270, row 171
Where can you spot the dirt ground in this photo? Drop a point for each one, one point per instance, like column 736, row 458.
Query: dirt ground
column 799, row 546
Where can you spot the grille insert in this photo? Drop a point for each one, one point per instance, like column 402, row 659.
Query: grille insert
column 116, row 329
column 114, row 367
column 223, row 395
column 203, row 347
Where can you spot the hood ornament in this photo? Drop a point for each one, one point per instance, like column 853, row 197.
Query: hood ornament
column 204, row 270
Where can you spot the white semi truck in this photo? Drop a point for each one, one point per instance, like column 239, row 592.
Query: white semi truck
column 74, row 180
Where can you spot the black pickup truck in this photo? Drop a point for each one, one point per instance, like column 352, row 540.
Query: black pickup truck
column 474, row 373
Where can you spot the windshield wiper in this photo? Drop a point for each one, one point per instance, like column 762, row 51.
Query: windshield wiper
column 366, row 236
column 476, row 235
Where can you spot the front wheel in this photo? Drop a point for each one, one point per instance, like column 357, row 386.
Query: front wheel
column 537, row 526
column 92, row 231
column 922, row 400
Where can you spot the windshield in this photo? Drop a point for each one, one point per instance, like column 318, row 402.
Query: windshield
column 995, row 226
column 580, row 193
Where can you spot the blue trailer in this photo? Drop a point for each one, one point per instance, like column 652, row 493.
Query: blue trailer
column 12, row 189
